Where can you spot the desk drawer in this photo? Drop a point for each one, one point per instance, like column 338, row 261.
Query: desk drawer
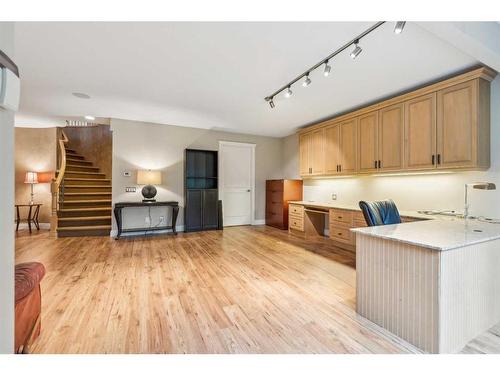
column 343, row 216
column 296, row 222
column 295, row 209
column 341, row 234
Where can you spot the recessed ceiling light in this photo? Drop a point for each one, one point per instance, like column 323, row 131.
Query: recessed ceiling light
column 81, row 95
column 90, row 118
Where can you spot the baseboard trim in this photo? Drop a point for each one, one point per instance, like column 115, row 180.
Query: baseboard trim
column 259, row 222
column 33, row 227
column 114, row 232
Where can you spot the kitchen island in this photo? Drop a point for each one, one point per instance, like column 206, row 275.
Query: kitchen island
column 434, row 283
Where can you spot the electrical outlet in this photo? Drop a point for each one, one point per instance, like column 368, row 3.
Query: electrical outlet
column 162, row 219
column 130, row 189
column 334, row 197
column 127, row 174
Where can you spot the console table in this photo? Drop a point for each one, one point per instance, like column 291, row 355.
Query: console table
column 121, row 205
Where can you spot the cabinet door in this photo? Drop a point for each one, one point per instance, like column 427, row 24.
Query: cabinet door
column 420, row 132
column 457, row 126
column 210, row 208
column 193, row 219
column 305, row 167
column 391, row 138
column 332, row 149
column 317, row 152
column 367, row 142
column 348, row 146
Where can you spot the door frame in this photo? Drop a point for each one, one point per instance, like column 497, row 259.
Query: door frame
column 251, row 146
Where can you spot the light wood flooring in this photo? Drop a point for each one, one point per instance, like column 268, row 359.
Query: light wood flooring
column 241, row 290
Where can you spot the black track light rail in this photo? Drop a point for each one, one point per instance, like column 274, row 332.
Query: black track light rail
column 344, row 47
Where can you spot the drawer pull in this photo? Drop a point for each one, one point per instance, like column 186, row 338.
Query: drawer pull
column 340, row 234
column 339, row 217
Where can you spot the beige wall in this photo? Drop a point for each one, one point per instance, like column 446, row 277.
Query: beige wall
column 6, row 208
column 138, row 145
column 35, row 150
column 411, row 192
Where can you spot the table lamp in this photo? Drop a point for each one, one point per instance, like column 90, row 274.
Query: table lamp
column 475, row 185
column 148, row 178
column 31, row 178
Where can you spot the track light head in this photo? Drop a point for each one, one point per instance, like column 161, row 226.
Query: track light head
column 400, row 25
column 356, row 51
column 271, row 103
column 307, row 81
column 288, row 92
column 327, row 70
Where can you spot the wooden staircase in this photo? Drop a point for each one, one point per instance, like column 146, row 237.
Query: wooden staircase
column 84, row 207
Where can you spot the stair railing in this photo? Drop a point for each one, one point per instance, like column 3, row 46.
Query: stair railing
column 57, row 182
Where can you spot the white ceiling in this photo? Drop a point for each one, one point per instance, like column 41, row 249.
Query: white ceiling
column 216, row 75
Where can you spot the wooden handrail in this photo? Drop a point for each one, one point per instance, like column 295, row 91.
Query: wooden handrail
column 62, row 139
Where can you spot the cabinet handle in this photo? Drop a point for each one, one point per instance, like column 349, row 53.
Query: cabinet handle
column 433, row 157
column 340, row 168
column 375, row 164
column 439, row 158
column 379, row 164
column 339, row 234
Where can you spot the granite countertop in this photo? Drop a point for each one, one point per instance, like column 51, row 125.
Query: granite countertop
column 436, row 234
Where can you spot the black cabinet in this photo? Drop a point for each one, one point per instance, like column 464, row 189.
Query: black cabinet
column 201, row 190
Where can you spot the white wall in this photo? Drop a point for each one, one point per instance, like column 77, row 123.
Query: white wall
column 7, row 208
column 412, row 192
column 139, row 145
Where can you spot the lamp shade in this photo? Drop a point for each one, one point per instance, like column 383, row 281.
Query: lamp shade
column 148, row 177
column 31, row 178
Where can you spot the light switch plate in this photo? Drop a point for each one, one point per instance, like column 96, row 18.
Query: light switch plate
column 127, row 174
column 130, row 189
column 334, row 197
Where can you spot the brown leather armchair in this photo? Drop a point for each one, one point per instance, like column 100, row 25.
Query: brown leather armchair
column 28, row 304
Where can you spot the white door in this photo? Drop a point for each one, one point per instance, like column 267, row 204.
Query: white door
column 237, row 182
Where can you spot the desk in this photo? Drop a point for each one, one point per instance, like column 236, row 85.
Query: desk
column 32, row 215
column 121, row 205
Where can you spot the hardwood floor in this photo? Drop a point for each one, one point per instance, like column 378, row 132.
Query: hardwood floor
column 243, row 290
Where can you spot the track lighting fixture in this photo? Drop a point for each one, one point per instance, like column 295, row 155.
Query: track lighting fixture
column 307, row 81
column 400, row 25
column 327, row 70
column 356, row 51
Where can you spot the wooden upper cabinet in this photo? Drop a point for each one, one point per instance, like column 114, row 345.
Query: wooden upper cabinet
column 332, row 149
column 304, row 140
column 420, row 132
column 457, row 135
column 445, row 125
column 312, row 153
column 348, row 146
column 317, row 152
column 368, row 142
column 391, row 138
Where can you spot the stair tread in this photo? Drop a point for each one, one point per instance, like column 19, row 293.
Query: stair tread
column 81, row 166
column 89, row 201
column 80, row 172
column 78, row 218
column 86, row 179
column 85, row 209
column 85, row 227
column 90, row 193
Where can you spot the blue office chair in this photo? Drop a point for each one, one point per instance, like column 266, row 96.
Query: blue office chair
column 380, row 213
